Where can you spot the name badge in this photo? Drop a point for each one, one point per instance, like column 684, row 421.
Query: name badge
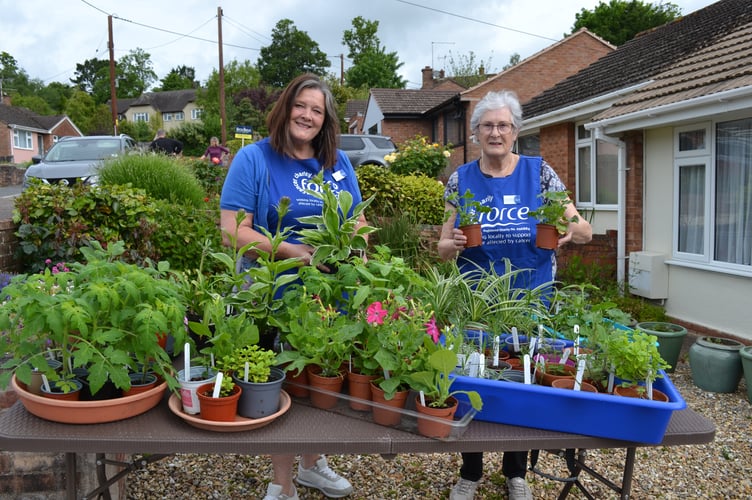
column 338, row 175
column 511, row 199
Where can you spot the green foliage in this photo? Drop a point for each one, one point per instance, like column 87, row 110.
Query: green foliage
column 210, row 176
column 55, row 221
column 618, row 21
column 194, row 136
column 141, row 131
column 468, row 209
column 290, row 53
column 419, row 156
column 552, row 210
column 104, row 315
column 162, row 177
column 401, row 234
column 395, row 194
column 634, row 356
column 259, row 362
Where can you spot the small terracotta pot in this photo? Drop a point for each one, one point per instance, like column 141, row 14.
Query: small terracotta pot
column 565, row 383
column 473, row 234
column 546, row 236
column 430, row 427
column 223, row 409
column 300, row 379
column 384, row 416
column 359, row 386
column 548, row 378
column 633, row 392
column 331, row 384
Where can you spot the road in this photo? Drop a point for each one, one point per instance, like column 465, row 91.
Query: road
column 7, row 196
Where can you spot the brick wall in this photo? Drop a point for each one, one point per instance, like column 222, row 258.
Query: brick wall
column 10, row 175
column 8, row 243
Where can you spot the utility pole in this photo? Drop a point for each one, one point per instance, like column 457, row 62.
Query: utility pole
column 113, row 93
column 222, row 113
column 342, row 69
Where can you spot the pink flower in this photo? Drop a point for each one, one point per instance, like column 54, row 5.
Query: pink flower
column 432, row 330
column 375, row 314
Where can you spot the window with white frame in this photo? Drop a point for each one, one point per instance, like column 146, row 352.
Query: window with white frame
column 166, row 117
column 597, row 171
column 141, row 117
column 179, row 116
column 22, row 139
column 713, row 223
column 196, row 114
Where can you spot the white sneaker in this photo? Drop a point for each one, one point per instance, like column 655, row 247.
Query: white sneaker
column 464, row 490
column 274, row 492
column 518, row 489
column 321, row 477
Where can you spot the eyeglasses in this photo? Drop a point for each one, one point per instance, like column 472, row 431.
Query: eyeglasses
column 503, row 128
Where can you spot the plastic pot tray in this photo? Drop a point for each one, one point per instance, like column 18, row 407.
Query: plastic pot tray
column 590, row 414
column 409, row 420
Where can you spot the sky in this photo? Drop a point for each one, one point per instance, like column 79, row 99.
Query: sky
column 49, row 37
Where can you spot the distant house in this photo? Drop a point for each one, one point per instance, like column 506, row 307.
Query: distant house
column 27, row 133
column 354, row 111
column 169, row 109
column 441, row 108
column 656, row 139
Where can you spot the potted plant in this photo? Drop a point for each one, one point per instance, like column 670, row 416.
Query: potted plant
column 670, row 339
column 105, row 315
column 468, row 216
column 223, row 407
column 252, row 368
column 634, row 358
column 551, row 217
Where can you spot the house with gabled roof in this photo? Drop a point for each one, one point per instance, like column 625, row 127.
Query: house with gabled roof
column 656, row 140
column 26, row 133
column 441, row 108
column 169, row 109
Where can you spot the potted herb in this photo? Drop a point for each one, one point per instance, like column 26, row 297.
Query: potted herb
column 551, row 217
column 468, row 211
column 252, row 368
column 634, row 358
column 224, row 406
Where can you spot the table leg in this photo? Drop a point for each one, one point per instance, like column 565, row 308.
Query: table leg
column 71, row 492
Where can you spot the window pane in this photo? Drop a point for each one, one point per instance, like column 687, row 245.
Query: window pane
column 691, row 209
column 529, row 145
column 692, row 140
column 584, row 174
column 606, row 174
column 733, row 208
column 582, row 132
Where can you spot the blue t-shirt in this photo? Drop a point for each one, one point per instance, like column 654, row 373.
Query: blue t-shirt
column 259, row 177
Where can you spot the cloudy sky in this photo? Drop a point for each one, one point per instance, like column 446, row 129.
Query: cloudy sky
column 49, row 37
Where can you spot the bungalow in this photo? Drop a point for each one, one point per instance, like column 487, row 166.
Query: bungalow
column 656, row 139
column 27, row 133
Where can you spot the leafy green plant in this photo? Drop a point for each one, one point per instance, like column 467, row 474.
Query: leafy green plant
column 552, row 210
column 55, row 221
column 419, row 156
column 634, row 356
column 335, row 235
column 259, row 363
column 105, row 315
column 468, row 209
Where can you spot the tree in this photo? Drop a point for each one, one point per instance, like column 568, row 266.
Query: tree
column 291, row 53
column 372, row 65
column 182, row 77
column 620, row 20
column 90, row 72
column 88, row 115
column 134, row 74
column 239, row 77
column 464, row 69
column 514, row 60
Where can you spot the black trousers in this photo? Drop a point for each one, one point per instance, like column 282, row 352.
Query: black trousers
column 513, row 464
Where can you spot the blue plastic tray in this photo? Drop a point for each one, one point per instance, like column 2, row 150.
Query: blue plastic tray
column 590, row 414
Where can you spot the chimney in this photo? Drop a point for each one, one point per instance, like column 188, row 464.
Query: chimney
column 427, row 77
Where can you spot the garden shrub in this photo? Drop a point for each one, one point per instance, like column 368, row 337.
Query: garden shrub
column 54, row 221
column 161, row 176
column 210, row 176
column 419, row 156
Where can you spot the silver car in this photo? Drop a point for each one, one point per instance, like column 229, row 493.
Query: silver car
column 77, row 159
column 366, row 149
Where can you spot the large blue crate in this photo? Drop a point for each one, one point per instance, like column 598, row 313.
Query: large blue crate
column 577, row 412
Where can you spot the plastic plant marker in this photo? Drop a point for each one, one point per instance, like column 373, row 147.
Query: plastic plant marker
column 46, row 383
column 496, row 351
column 187, row 361
column 579, row 374
column 422, row 398
column 245, row 374
column 481, row 364
column 217, row 385
column 526, row 368
column 515, row 339
column 564, row 356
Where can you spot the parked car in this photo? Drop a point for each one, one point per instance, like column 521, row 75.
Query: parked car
column 366, row 149
column 77, row 159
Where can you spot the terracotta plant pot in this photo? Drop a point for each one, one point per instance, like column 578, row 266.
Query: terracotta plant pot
column 556, row 371
column 546, row 236
column 384, row 416
column 359, row 386
column 568, row 383
column 430, row 427
column 331, row 384
column 634, row 392
column 300, row 379
column 223, row 409
column 473, row 235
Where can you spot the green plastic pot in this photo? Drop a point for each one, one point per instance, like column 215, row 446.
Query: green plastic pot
column 670, row 339
column 746, row 354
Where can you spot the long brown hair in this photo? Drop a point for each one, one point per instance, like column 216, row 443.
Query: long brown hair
column 278, row 120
